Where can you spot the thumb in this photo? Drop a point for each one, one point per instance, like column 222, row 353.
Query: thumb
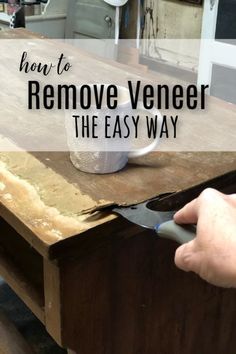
column 187, row 258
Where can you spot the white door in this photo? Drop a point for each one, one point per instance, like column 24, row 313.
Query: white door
column 218, row 46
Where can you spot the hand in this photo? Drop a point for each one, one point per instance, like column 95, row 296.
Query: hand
column 212, row 255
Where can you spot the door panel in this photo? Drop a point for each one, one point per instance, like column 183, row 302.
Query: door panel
column 91, row 19
column 217, row 65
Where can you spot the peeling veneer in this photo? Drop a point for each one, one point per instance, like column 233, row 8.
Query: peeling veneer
column 24, row 199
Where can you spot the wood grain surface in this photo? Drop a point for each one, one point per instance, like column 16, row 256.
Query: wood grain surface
column 130, row 298
column 45, row 129
column 47, row 200
column 113, row 288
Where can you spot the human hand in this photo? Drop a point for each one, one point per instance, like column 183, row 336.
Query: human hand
column 212, row 255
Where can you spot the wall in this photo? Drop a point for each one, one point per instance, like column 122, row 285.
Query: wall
column 173, row 20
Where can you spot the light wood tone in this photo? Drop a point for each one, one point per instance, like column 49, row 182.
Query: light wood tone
column 43, row 205
column 130, row 57
column 11, row 341
column 173, row 20
column 52, row 220
column 52, row 288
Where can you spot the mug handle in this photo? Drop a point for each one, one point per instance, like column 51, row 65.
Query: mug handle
column 153, row 145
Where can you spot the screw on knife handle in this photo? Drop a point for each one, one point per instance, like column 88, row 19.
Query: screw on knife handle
column 179, row 233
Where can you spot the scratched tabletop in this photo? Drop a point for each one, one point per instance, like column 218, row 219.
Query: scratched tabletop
column 48, row 201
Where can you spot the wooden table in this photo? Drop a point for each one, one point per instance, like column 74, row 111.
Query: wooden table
column 98, row 283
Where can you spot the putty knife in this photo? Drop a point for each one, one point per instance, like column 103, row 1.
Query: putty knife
column 160, row 221
column 149, row 216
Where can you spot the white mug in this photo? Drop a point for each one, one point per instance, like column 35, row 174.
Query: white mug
column 99, row 161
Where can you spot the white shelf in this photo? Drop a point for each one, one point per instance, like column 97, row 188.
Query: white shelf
column 4, row 18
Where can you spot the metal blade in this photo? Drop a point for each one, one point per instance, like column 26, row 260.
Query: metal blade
column 140, row 214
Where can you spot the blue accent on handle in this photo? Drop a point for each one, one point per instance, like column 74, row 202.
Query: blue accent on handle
column 156, row 228
column 179, row 233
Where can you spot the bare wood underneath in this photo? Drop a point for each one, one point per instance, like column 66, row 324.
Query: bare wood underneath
column 52, row 288
column 43, row 196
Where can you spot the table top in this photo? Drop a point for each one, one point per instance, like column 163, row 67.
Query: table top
column 47, row 195
column 48, row 201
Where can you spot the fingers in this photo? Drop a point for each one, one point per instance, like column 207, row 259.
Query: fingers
column 209, row 197
column 232, row 199
column 187, row 259
column 188, row 214
column 212, row 254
